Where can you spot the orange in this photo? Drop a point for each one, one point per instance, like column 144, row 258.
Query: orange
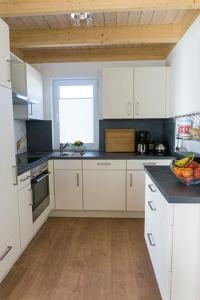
column 187, row 172
column 178, row 171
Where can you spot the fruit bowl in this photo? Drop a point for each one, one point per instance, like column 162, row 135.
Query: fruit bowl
column 189, row 174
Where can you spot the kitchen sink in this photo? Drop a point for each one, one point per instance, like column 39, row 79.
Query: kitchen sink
column 72, row 154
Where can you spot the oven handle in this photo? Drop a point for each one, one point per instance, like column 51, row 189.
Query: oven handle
column 40, row 178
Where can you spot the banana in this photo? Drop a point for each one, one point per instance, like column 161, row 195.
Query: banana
column 184, row 161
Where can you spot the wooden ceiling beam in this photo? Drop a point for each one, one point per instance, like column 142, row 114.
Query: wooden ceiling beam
column 13, row 8
column 94, row 36
column 34, row 56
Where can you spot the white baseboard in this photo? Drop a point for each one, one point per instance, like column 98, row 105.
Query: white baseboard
column 95, row 214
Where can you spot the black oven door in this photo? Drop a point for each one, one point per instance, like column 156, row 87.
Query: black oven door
column 40, row 193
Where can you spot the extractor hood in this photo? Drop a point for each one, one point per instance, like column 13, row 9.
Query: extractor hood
column 19, row 99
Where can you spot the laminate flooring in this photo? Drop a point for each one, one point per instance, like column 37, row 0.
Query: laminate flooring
column 84, row 259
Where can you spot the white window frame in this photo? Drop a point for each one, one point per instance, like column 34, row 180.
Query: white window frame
column 84, row 81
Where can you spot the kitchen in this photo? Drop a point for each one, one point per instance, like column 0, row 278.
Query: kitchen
column 89, row 206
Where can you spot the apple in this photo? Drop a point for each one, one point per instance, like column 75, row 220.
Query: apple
column 197, row 173
column 193, row 165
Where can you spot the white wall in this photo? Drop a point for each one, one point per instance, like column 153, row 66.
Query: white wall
column 185, row 73
column 79, row 70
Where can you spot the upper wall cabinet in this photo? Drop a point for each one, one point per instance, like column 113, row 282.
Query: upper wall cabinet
column 135, row 93
column 117, row 93
column 4, row 55
column 27, row 81
column 150, row 92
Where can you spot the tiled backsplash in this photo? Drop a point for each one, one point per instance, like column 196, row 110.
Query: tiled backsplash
column 20, row 136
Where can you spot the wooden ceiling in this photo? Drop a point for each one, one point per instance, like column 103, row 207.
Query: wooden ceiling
column 42, row 31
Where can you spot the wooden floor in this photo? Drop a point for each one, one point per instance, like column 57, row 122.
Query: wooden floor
column 84, row 259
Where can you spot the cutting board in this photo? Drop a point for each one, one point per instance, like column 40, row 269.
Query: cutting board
column 120, row 140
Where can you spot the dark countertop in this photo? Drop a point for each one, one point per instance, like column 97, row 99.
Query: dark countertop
column 24, row 166
column 172, row 189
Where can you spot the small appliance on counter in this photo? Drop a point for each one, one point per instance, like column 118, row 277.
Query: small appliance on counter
column 143, row 139
column 160, row 149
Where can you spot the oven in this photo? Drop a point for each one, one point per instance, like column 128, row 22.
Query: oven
column 40, row 189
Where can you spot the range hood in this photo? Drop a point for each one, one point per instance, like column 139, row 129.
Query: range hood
column 19, row 99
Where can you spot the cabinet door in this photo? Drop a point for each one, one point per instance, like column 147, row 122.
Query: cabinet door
column 117, row 93
column 18, row 75
column 104, row 190
column 25, row 215
column 34, row 92
column 9, row 214
column 68, row 189
column 150, row 92
column 4, row 40
column 8, row 192
column 135, row 190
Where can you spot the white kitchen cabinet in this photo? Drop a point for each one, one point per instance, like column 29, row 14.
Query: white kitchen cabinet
column 34, row 92
column 68, row 184
column 135, row 190
column 117, row 93
column 9, row 218
column 25, row 215
column 27, row 81
column 136, row 181
column 4, row 55
column 172, row 234
column 104, row 185
column 150, row 92
column 68, row 189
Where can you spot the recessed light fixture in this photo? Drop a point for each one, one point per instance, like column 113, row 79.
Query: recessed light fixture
column 82, row 17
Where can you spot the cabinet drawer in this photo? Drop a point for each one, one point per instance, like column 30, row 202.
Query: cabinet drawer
column 71, row 164
column 24, row 180
column 156, row 204
column 140, row 163
column 8, row 254
column 104, row 164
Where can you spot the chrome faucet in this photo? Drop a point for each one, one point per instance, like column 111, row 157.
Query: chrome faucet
column 63, row 147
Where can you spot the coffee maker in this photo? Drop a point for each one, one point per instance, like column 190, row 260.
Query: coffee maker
column 143, row 139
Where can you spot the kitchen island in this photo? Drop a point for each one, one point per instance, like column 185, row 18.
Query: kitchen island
column 172, row 233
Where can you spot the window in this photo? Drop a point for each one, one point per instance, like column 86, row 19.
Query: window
column 75, row 112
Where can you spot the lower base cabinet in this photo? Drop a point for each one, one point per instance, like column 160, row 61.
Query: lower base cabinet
column 135, row 190
column 25, row 215
column 104, row 190
column 172, row 234
column 68, row 189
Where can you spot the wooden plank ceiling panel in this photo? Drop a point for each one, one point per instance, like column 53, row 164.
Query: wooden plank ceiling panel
column 51, row 7
column 146, row 17
column 99, row 20
column 122, row 18
column 134, row 18
column 171, row 16
column 158, row 16
column 110, row 19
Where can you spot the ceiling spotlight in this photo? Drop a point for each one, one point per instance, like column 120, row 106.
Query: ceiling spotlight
column 82, row 17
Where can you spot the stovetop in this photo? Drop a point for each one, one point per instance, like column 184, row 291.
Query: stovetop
column 26, row 160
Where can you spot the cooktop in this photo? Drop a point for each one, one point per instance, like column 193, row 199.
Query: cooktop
column 26, row 160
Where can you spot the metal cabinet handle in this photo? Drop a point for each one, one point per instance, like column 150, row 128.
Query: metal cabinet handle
column 103, row 164
column 152, row 205
column 129, row 108
column 8, row 62
column 152, row 188
column 149, row 164
column 15, row 179
column 150, row 238
column 38, row 179
column 31, row 203
column 5, row 253
column 137, row 108
column 131, row 180
column 77, row 180
column 24, row 179
column 31, row 112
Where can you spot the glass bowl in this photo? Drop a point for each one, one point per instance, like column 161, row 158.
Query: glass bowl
column 187, row 181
